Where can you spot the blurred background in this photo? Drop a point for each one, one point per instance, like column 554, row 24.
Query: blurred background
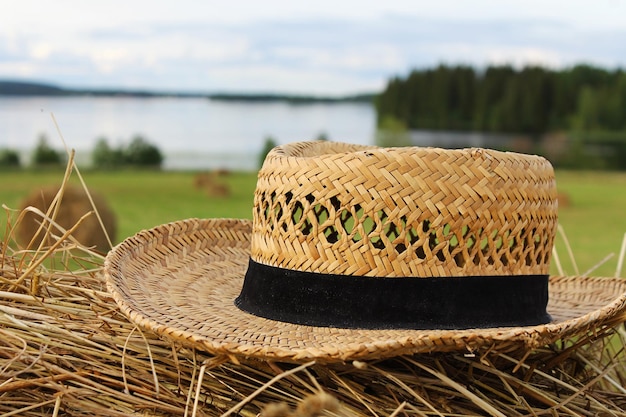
column 210, row 83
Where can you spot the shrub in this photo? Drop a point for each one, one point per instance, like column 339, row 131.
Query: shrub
column 269, row 144
column 9, row 158
column 322, row 136
column 103, row 156
column 46, row 155
column 142, row 153
column 392, row 132
column 138, row 153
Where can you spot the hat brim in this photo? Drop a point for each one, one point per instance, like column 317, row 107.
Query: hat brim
column 180, row 280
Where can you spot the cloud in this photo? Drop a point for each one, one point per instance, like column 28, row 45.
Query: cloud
column 265, row 78
column 318, row 55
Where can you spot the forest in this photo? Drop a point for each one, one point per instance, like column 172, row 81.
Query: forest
column 587, row 104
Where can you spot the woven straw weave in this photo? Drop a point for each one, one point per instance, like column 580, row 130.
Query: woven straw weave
column 391, row 212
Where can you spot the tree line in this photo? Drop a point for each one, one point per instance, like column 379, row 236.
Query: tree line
column 139, row 152
column 531, row 100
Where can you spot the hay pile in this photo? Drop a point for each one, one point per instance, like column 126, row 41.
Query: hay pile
column 65, row 349
column 211, row 183
column 74, row 202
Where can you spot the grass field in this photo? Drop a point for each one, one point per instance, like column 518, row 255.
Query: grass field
column 594, row 220
column 142, row 199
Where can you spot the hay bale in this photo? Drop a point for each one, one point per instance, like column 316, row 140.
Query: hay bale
column 222, row 172
column 217, row 190
column 201, row 179
column 74, row 205
column 563, row 199
column 209, row 183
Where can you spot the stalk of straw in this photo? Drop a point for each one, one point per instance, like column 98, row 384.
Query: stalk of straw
column 620, row 259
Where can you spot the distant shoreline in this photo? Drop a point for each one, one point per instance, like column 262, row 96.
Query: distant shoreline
column 26, row 89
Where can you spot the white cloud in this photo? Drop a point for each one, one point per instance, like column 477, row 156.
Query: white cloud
column 68, row 14
column 295, row 46
column 345, row 57
column 111, row 59
column 268, row 78
column 524, row 56
column 41, row 50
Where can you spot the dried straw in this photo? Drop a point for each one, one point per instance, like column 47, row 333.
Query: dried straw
column 66, row 349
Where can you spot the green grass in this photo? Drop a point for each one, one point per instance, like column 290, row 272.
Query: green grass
column 142, row 199
column 594, row 222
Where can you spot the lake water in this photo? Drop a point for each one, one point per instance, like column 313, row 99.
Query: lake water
column 192, row 133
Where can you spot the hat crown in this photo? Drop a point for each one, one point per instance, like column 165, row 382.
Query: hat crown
column 337, row 208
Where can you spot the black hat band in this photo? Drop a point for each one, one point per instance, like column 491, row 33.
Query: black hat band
column 358, row 302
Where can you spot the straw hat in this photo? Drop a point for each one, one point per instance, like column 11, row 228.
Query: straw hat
column 360, row 252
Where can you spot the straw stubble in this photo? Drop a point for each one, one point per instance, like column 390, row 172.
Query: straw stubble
column 74, row 344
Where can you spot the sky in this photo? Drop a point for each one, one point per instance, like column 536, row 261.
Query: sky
column 317, row 47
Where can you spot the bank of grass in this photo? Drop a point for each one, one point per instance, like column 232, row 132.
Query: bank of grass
column 594, row 220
